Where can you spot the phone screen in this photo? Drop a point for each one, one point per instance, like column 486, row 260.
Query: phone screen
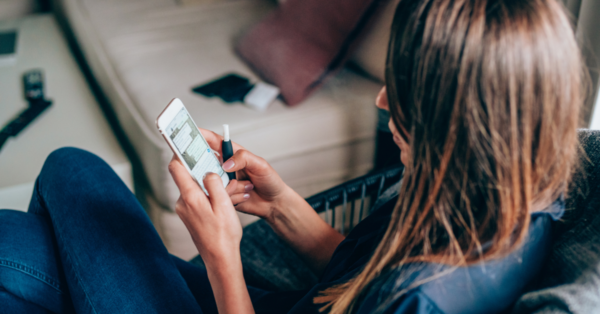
column 192, row 147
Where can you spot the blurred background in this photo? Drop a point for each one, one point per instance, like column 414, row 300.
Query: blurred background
column 110, row 66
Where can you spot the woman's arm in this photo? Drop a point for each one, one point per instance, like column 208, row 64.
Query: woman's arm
column 297, row 223
column 228, row 285
column 217, row 232
column 290, row 216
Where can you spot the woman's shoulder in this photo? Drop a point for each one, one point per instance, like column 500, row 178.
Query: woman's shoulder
column 488, row 287
column 412, row 302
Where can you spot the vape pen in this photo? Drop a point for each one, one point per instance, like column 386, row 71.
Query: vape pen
column 227, row 149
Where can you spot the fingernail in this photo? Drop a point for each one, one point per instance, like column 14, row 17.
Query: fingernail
column 249, row 187
column 204, row 176
column 228, row 165
column 246, row 196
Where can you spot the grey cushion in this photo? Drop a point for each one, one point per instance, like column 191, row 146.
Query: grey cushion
column 570, row 280
column 269, row 263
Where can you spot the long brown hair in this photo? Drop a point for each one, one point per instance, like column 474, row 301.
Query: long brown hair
column 488, row 92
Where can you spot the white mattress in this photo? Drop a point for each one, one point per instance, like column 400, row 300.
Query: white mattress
column 146, row 52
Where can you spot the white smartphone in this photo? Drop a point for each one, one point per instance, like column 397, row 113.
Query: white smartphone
column 181, row 133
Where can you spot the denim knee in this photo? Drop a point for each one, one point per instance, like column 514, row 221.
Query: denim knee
column 66, row 161
column 64, row 171
column 68, row 156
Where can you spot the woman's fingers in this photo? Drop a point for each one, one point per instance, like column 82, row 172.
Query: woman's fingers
column 239, row 198
column 181, row 209
column 239, row 186
column 190, row 191
column 218, row 196
column 242, row 176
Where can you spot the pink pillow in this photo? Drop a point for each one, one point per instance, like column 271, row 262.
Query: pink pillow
column 303, row 42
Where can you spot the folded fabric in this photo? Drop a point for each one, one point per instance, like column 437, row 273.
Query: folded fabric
column 303, row 42
column 582, row 296
column 570, row 280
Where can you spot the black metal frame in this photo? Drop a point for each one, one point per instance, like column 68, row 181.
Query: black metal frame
column 366, row 188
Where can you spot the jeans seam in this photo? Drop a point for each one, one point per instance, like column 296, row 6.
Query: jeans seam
column 71, row 264
column 31, row 271
column 58, row 235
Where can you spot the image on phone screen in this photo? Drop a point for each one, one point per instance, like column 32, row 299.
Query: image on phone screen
column 192, row 147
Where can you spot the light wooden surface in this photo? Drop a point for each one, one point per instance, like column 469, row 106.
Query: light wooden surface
column 75, row 119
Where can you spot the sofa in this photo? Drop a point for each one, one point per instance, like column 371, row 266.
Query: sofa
column 143, row 53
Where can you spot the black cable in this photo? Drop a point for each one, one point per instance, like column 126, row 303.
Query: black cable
column 3, row 139
column 34, row 93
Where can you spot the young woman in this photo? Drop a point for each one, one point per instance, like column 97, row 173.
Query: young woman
column 484, row 98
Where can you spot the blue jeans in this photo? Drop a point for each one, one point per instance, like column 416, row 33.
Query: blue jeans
column 87, row 246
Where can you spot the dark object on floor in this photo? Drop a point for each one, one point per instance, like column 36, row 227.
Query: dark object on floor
column 231, row 88
column 33, row 83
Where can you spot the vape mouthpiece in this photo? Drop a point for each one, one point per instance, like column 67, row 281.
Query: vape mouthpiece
column 225, row 132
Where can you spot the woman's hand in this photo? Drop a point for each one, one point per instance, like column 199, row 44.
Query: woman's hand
column 211, row 220
column 266, row 189
column 290, row 216
column 216, row 230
